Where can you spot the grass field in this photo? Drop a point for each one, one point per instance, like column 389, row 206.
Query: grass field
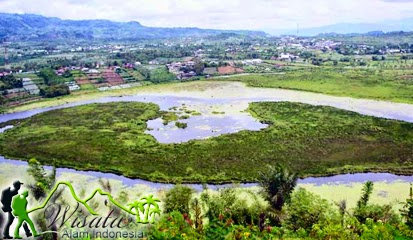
column 312, row 140
column 389, row 85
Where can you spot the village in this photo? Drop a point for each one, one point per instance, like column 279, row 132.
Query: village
column 50, row 71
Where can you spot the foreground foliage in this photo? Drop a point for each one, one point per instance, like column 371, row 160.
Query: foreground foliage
column 305, row 216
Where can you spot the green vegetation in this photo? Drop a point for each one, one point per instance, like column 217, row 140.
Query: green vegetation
column 55, row 91
column 313, row 140
column 161, row 75
column 9, row 82
column 374, row 83
column 278, row 184
column 216, row 112
column 177, row 199
column 50, row 77
column 181, row 125
column 232, row 213
column 168, row 117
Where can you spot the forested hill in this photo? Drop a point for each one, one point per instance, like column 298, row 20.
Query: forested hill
column 19, row 27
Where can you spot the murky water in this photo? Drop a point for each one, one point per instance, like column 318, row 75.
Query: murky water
column 198, row 127
column 3, row 129
column 343, row 179
column 209, row 125
column 201, row 127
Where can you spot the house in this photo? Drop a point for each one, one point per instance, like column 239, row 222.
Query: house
column 15, row 90
column 154, row 62
column 288, row 57
column 73, row 86
column 93, row 71
column 229, row 70
column 252, row 61
column 210, row 70
column 30, row 86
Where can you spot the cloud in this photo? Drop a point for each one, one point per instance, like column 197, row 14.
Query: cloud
column 228, row 14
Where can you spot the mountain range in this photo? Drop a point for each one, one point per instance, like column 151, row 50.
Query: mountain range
column 32, row 27
column 348, row 28
column 20, row 27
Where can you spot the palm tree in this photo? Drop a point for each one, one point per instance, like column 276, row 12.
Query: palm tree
column 138, row 207
column 149, row 201
column 365, row 194
column 278, row 183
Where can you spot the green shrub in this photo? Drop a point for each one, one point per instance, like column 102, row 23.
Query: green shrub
column 382, row 213
column 227, row 205
column 181, row 125
column 307, row 209
column 173, row 226
column 177, row 199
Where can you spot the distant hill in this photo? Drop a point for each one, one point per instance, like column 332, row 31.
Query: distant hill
column 40, row 28
column 347, row 28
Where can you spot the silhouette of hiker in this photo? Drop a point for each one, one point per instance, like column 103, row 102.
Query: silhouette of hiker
column 6, row 199
column 19, row 205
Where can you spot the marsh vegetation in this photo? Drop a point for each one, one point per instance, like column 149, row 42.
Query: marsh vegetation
column 313, row 140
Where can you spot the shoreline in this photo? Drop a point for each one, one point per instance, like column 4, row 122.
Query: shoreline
column 198, row 88
column 6, row 160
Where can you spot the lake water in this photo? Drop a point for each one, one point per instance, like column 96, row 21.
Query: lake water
column 3, row 129
column 343, row 179
column 201, row 127
column 210, row 125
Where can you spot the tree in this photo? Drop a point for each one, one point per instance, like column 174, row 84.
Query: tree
column 199, row 67
column 365, row 195
column 67, row 74
column 2, row 100
column 48, row 75
column 307, row 209
column 43, row 181
column 43, row 184
column 55, row 91
column 161, row 75
column 407, row 211
column 177, row 199
column 277, row 183
column 375, row 212
column 306, row 55
column 10, row 81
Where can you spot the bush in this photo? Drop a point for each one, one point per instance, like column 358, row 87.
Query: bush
column 228, row 206
column 177, row 199
column 407, row 211
column 181, row 125
column 55, row 91
column 173, row 226
column 307, row 209
column 376, row 212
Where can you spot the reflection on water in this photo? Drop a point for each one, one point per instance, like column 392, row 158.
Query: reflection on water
column 201, row 127
column 343, row 179
column 3, row 129
column 208, row 125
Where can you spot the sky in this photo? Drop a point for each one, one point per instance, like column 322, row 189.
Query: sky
column 220, row 14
